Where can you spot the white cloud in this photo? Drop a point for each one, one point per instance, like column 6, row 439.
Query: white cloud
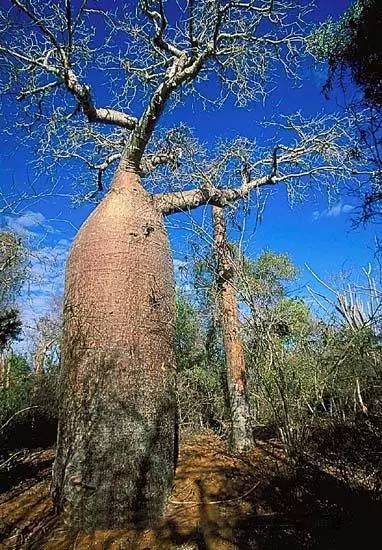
column 46, row 278
column 333, row 211
column 27, row 223
column 45, row 283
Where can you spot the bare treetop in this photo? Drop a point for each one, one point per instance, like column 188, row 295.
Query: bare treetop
column 59, row 58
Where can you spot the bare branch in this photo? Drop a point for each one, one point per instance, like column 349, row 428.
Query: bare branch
column 239, row 41
column 38, row 90
column 2, row 428
column 108, row 116
column 159, row 21
column 54, row 60
column 68, row 12
column 28, row 11
column 152, row 161
column 170, row 203
column 320, row 152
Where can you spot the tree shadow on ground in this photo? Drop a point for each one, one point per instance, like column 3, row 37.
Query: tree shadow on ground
column 310, row 509
column 31, row 431
column 220, row 501
column 302, row 507
column 35, row 467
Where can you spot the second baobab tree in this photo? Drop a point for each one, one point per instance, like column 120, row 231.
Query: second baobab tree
column 116, row 450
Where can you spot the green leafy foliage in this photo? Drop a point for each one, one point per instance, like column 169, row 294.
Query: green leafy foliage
column 200, row 366
column 302, row 372
column 267, row 275
column 15, row 390
column 189, row 345
column 28, row 404
column 10, row 327
column 293, row 317
column 354, row 44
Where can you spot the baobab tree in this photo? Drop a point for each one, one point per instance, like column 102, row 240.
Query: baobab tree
column 230, row 165
column 116, row 449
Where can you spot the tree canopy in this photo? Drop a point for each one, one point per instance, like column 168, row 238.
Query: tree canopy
column 56, row 56
column 354, row 44
column 352, row 47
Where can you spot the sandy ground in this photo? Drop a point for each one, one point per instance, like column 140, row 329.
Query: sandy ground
column 219, row 502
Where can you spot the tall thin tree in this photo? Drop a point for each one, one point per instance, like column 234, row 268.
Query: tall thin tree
column 240, row 416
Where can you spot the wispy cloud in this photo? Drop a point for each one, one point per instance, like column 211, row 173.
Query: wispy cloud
column 334, row 211
column 28, row 224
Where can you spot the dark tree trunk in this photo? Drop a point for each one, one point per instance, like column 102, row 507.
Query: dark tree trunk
column 116, row 449
column 241, row 429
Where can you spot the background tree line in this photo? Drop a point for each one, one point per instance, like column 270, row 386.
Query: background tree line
column 310, row 366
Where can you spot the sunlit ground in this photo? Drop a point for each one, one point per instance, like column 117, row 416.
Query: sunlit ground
column 219, row 502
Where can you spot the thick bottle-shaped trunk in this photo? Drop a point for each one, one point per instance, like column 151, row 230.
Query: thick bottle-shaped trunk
column 116, row 449
column 241, row 429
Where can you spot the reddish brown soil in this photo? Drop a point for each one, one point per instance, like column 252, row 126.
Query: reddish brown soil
column 219, row 502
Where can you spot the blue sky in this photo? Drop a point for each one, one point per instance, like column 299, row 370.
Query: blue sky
column 316, row 232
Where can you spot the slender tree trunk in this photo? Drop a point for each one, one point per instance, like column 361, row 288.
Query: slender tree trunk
column 241, row 430
column 116, row 449
column 5, row 369
column 39, row 358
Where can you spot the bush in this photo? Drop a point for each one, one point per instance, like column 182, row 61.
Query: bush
column 16, row 387
column 200, row 367
column 28, row 406
column 325, row 374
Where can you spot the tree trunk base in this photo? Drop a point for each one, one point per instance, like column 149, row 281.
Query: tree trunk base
column 241, row 429
column 115, row 457
column 116, row 449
